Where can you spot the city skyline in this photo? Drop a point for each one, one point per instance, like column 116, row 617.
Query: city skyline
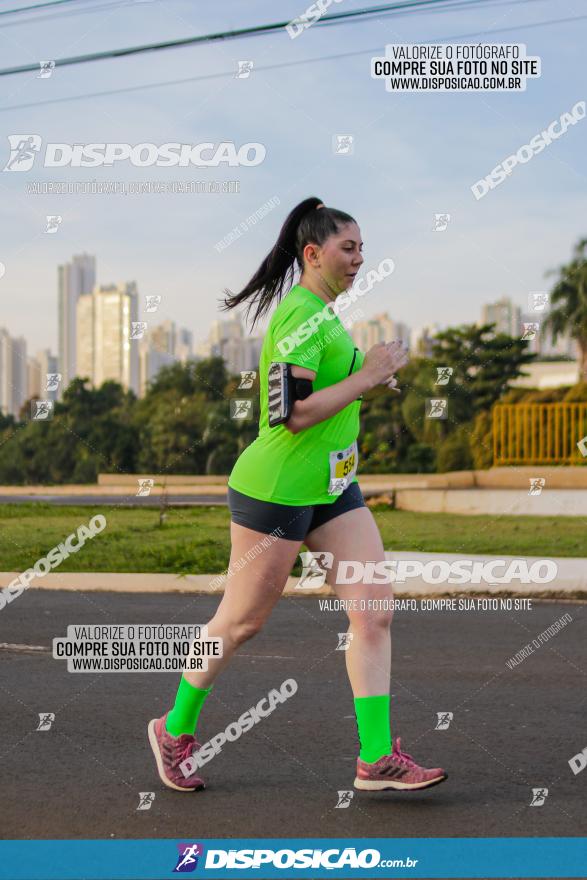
column 103, row 335
column 78, row 276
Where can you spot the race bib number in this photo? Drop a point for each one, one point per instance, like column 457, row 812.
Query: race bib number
column 343, row 467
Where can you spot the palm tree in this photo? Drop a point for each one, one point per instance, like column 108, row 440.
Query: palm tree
column 568, row 300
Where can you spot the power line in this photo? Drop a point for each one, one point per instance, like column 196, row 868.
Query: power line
column 230, row 35
column 89, row 7
column 37, row 6
column 448, row 6
column 108, row 4
column 61, row 14
column 190, row 79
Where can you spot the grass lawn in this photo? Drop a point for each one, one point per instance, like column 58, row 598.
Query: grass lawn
column 196, row 540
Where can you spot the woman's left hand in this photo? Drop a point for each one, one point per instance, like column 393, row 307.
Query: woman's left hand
column 401, row 357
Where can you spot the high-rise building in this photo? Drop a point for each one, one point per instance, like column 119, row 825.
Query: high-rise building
column 5, row 372
column 162, row 345
column 226, row 339
column 156, row 350
column 107, row 347
column 13, row 373
column 39, row 367
column 74, row 279
column 184, row 345
column 150, row 362
column 379, row 328
column 221, row 333
column 504, row 314
column 85, row 316
column 422, row 340
column 242, row 354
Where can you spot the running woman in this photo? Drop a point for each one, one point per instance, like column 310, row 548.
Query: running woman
column 297, row 483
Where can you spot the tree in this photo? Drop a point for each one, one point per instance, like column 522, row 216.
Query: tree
column 484, row 363
column 568, row 300
column 385, row 438
column 208, row 377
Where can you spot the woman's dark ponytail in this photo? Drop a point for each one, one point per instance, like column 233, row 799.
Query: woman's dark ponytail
column 306, row 223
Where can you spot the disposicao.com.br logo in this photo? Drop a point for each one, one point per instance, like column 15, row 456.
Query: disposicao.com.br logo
column 330, row 859
column 24, row 149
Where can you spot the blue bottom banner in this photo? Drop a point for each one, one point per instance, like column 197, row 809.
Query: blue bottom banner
column 371, row 857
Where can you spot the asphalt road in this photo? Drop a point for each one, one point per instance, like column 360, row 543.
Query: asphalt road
column 513, row 729
column 129, row 500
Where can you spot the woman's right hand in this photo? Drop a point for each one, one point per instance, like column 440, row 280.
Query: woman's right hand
column 383, row 360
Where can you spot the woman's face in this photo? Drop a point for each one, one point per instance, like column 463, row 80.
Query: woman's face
column 339, row 259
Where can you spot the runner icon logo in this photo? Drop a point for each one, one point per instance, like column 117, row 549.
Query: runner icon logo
column 344, row 799
column 46, row 68
column 53, row 223
column 247, row 379
column 146, row 799
column 46, row 719
column 23, row 151
column 314, row 570
column 539, row 795
column 441, row 222
column 444, row 719
column 538, row 300
column 41, row 410
column 443, row 375
column 187, row 861
column 241, row 409
column 437, row 408
column 536, row 485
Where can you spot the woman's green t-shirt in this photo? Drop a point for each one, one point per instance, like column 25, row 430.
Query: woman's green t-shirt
column 312, row 466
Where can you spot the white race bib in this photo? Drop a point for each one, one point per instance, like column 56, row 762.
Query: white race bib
column 343, row 467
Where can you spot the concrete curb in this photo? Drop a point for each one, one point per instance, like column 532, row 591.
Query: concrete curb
column 507, row 477
column 570, row 582
column 498, row 502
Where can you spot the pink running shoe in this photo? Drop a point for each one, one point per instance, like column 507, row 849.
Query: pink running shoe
column 398, row 771
column 169, row 753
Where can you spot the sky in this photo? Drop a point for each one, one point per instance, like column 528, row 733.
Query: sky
column 415, row 154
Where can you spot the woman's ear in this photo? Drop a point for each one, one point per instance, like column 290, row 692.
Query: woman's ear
column 312, row 255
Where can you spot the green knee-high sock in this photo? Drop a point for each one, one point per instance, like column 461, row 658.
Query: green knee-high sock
column 374, row 727
column 188, row 703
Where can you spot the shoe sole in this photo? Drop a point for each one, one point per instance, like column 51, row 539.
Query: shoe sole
column 383, row 785
column 154, row 743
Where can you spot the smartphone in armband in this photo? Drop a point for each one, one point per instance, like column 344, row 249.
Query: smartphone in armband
column 279, row 393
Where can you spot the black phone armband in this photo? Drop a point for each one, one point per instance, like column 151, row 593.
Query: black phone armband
column 283, row 390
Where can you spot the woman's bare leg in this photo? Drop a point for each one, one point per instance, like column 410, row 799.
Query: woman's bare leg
column 354, row 536
column 249, row 595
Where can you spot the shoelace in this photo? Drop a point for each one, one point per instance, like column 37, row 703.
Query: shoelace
column 402, row 757
column 183, row 752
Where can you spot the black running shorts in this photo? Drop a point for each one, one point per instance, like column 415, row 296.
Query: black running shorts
column 295, row 521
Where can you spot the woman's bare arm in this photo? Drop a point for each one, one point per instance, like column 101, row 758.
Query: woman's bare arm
column 379, row 364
